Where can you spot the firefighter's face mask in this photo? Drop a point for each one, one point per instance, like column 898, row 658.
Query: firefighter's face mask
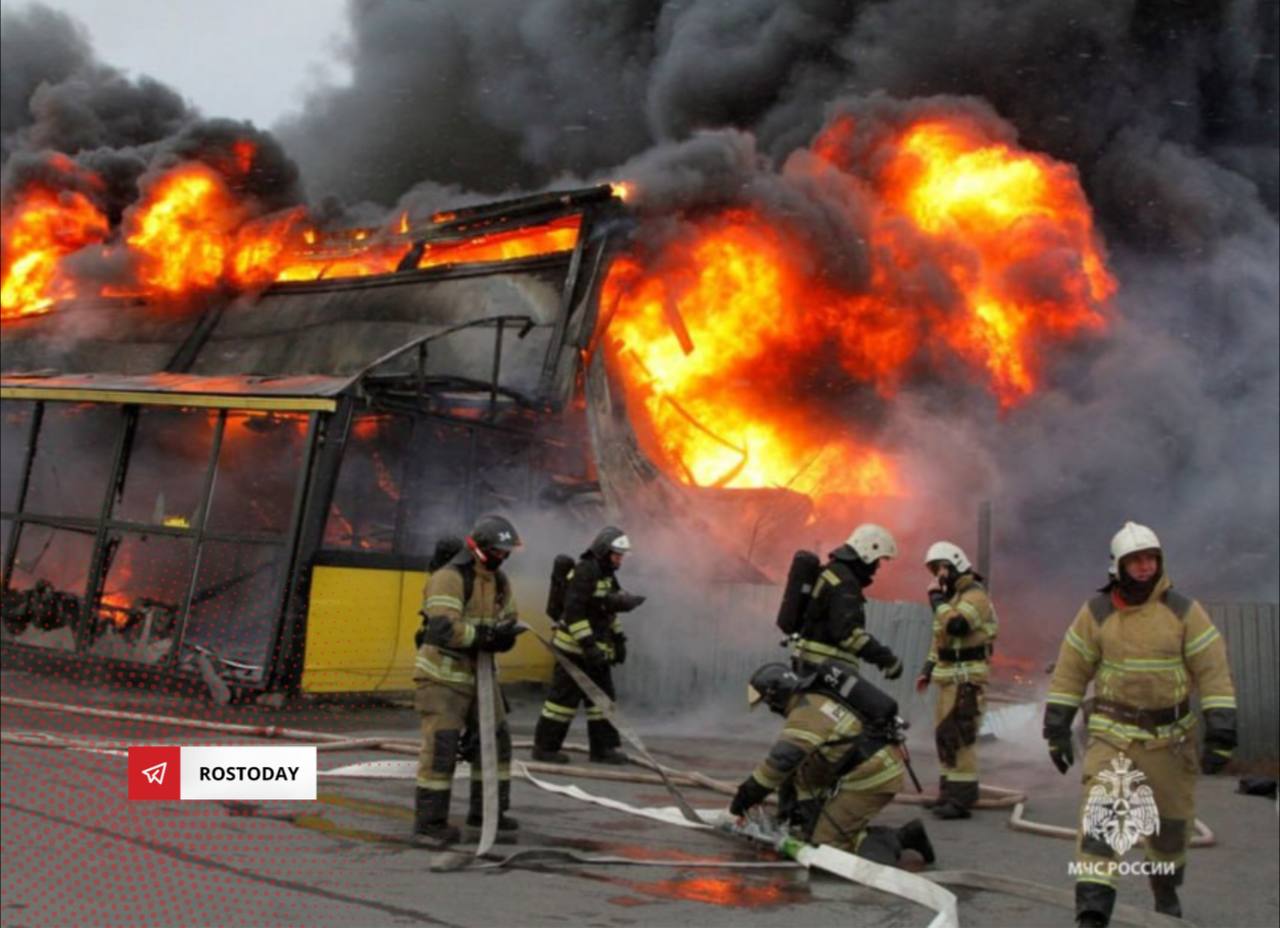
column 490, row 556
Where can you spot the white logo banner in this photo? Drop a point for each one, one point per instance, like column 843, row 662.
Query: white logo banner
column 248, row 772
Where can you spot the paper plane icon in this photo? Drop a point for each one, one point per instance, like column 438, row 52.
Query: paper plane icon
column 155, row 774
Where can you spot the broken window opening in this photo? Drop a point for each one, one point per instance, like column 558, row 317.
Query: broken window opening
column 259, row 464
column 167, row 461
column 74, row 459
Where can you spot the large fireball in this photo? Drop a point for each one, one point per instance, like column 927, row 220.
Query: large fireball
column 736, row 349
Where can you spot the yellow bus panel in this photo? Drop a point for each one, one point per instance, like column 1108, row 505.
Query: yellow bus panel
column 360, row 627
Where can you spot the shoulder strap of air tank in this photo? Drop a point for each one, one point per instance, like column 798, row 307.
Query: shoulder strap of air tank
column 466, row 570
column 1180, row 605
column 1100, row 607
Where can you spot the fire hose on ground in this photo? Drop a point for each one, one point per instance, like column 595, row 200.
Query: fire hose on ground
column 995, row 797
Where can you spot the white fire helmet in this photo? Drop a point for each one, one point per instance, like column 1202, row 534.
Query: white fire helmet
column 872, row 542
column 946, row 551
column 1130, row 539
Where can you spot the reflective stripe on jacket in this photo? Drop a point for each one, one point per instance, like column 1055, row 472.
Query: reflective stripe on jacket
column 817, row 735
column 973, row 604
column 1150, row 656
column 587, row 619
column 446, row 655
column 835, row 622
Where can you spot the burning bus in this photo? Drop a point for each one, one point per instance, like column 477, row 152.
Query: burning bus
column 213, row 499
column 233, row 434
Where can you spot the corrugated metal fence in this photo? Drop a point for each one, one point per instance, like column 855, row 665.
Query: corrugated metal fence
column 1252, row 631
column 684, row 653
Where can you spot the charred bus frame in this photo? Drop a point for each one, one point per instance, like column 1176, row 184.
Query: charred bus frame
column 335, row 612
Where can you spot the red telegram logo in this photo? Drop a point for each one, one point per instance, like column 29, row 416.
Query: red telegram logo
column 154, row 772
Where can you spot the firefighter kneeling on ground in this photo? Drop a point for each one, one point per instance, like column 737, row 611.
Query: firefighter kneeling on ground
column 1145, row 646
column 468, row 609
column 964, row 632
column 833, row 627
column 836, row 764
column 588, row 633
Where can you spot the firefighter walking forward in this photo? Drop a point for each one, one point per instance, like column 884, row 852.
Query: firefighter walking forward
column 588, row 633
column 964, row 634
column 833, row 629
column 1146, row 647
column 468, row 608
column 836, row 764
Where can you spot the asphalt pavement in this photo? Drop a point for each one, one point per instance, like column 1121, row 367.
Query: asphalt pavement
column 76, row 851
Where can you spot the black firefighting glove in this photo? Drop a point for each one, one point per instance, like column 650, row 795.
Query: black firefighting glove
column 876, row 654
column 937, row 598
column 469, row 744
column 622, row 601
column 957, row 626
column 750, row 793
column 1219, row 739
column 888, row 662
column 497, row 636
column 619, row 648
column 926, row 674
column 1057, row 731
column 593, row 655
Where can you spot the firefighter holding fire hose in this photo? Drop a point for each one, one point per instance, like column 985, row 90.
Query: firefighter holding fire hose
column 964, row 634
column 1145, row 647
column 837, row 763
column 468, row 608
column 589, row 633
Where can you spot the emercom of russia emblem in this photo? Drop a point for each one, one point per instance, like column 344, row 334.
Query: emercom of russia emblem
column 1121, row 809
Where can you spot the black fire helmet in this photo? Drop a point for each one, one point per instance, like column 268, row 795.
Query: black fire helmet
column 610, row 540
column 493, row 538
column 774, row 684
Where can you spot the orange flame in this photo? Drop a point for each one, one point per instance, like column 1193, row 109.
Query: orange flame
column 182, row 232
column 711, row 330
column 726, row 299
column 1007, row 207
column 557, row 235
column 41, row 227
column 190, row 233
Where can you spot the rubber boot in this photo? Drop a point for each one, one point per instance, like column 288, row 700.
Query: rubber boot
column 603, row 740
column 955, row 799
column 942, row 792
column 1164, row 887
column 548, row 735
column 1094, row 902
column 880, row 845
column 507, row 826
column 913, row 837
column 804, row 816
column 431, row 817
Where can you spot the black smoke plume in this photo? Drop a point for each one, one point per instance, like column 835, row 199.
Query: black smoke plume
column 1169, row 111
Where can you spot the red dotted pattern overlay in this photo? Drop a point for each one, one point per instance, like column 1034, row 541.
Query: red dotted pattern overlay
column 77, row 850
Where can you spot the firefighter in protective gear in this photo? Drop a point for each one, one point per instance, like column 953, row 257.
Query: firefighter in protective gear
column 834, row 627
column 589, row 633
column 468, row 607
column 964, row 633
column 1145, row 647
column 834, row 768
